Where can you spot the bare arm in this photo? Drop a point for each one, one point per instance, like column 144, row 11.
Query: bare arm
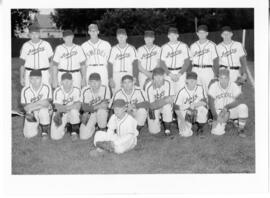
column 54, row 74
column 216, row 67
column 37, row 105
column 75, row 105
column 83, row 73
column 22, row 71
column 144, row 71
column 243, row 69
column 235, row 103
column 185, row 66
column 212, row 107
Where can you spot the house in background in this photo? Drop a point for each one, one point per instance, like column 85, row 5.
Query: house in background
column 48, row 28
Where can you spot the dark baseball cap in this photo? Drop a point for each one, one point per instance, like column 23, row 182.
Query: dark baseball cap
column 191, row 75
column 36, row 73
column 127, row 77
column 202, row 28
column 226, row 28
column 158, row 71
column 68, row 33
column 66, row 76
column 149, row 33
column 119, row 103
column 224, row 72
column 34, row 28
column 173, row 30
column 95, row 76
column 121, row 31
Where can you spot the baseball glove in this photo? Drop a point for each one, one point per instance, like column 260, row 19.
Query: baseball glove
column 191, row 116
column 58, row 119
column 30, row 117
column 223, row 116
column 240, row 81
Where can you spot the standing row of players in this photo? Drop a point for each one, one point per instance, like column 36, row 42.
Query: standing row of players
column 96, row 55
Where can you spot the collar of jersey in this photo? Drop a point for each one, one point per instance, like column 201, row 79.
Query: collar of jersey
column 71, row 90
column 31, row 87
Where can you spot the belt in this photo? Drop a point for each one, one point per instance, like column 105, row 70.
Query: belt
column 203, row 66
column 42, row 69
column 177, row 68
column 230, row 67
column 95, row 65
column 71, row 71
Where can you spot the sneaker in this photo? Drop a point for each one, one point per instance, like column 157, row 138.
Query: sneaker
column 167, row 132
column 44, row 136
column 74, row 136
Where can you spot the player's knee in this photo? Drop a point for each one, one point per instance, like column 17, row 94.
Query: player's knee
column 99, row 137
column 30, row 129
column 44, row 116
column 74, row 116
column 86, row 133
column 57, row 134
column 153, row 128
column 243, row 110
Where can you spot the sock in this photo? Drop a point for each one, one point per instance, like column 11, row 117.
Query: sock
column 242, row 123
column 139, row 128
column 102, row 129
column 45, row 128
column 167, row 125
column 75, row 128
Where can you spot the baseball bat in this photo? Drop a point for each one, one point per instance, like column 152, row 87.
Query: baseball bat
column 244, row 38
column 15, row 113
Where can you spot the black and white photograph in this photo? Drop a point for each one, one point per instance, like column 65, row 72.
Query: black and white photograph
column 139, row 91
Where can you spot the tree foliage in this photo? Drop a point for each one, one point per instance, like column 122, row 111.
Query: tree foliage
column 20, row 18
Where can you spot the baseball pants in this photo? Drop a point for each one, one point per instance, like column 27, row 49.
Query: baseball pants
column 180, row 83
column 76, row 77
column 240, row 112
column 99, row 117
column 140, row 116
column 154, row 125
column 45, row 77
column 30, row 129
column 205, row 75
column 121, row 143
column 101, row 70
column 72, row 117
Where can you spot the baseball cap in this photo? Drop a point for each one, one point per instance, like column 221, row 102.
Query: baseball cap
column 121, row 31
column 67, row 33
column 33, row 28
column 224, row 72
column 149, row 33
column 202, row 28
column 173, row 30
column 66, row 76
column 35, row 73
column 158, row 71
column 127, row 77
column 119, row 103
column 226, row 28
column 95, row 76
column 191, row 75
column 93, row 27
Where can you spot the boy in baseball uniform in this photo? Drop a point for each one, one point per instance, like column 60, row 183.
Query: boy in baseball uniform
column 148, row 58
column 232, row 55
column 97, row 52
column 191, row 101
column 122, row 133
column 203, row 54
column 66, row 100
column 35, row 54
column 95, row 99
column 137, row 104
column 122, row 61
column 68, row 57
column 225, row 96
column 175, row 59
column 35, row 99
column 160, row 94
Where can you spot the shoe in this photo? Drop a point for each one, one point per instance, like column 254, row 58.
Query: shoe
column 106, row 145
column 74, row 136
column 44, row 136
column 167, row 132
column 241, row 133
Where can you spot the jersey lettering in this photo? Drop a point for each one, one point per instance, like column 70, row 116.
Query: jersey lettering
column 37, row 98
column 69, row 55
column 35, row 51
column 172, row 54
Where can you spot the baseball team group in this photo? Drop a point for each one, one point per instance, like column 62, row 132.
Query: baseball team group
column 112, row 93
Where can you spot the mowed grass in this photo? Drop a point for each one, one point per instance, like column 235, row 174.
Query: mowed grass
column 153, row 154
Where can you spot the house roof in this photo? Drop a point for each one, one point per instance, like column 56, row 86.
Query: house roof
column 44, row 21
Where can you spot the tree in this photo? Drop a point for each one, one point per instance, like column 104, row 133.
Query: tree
column 20, row 19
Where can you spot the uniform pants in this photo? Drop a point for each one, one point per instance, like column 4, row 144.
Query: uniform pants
column 154, row 125
column 72, row 117
column 205, row 75
column 42, row 116
column 240, row 111
column 180, row 83
column 99, row 117
column 122, row 143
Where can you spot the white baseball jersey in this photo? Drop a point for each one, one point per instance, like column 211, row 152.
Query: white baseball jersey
column 91, row 98
column 137, row 96
column 154, row 94
column 29, row 95
column 149, row 57
column 69, row 58
column 126, row 125
column 186, row 97
column 63, row 98
column 97, row 54
column 36, row 55
column 174, row 55
column 224, row 96
column 203, row 54
column 229, row 55
column 122, row 58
